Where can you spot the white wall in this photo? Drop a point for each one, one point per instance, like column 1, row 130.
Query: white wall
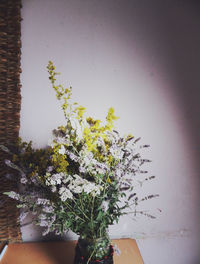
column 142, row 58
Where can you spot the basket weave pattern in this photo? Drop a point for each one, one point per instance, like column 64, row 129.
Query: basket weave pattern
column 10, row 103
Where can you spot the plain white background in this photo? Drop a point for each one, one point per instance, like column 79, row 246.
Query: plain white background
column 142, row 58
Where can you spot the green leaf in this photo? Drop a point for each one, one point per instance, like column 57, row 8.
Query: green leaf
column 99, row 216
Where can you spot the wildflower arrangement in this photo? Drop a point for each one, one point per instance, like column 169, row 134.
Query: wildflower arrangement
column 85, row 179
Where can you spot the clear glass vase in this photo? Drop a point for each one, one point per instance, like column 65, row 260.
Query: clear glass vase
column 89, row 251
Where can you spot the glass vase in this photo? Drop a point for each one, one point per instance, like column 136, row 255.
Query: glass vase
column 93, row 251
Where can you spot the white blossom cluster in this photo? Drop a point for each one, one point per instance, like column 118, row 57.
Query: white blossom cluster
column 43, row 209
column 90, row 165
column 78, row 185
column 46, row 205
column 55, row 179
column 14, row 195
column 66, row 185
column 45, row 220
column 65, row 194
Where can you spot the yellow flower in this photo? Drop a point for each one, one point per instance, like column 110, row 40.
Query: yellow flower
column 109, row 180
column 110, row 118
column 80, row 111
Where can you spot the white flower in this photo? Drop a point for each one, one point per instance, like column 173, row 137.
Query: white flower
column 52, row 182
column 53, row 189
column 92, row 188
column 62, row 150
column 23, row 216
column 67, row 178
column 50, row 168
column 23, row 180
column 88, row 188
column 47, row 182
column 87, row 161
column 44, row 223
column 58, row 177
column 65, row 194
column 73, row 157
column 78, row 180
column 42, row 216
column 48, row 209
column 104, row 206
column 54, row 179
column 77, row 189
column 86, row 158
column 82, row 169
column 7, row 162
column 116, row 152
column 13, row 195
column 62, row 189
column 42, row 201
column 78, row 185
column 60, row 140
column 96, row 191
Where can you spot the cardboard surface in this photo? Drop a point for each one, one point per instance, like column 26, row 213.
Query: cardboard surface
column 63, row 253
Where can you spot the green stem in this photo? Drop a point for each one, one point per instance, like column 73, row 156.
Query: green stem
column 92, row 216
column 69, row 206
column 81, row 209
column 91, row 255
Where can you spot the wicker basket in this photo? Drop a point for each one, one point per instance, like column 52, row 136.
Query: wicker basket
column 10, row 103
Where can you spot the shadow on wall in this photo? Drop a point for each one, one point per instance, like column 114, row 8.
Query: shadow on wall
column 168, row 31
column 183, row 48
column 182, row 43
column 177, row 24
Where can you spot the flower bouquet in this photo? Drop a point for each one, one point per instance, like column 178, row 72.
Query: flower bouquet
column 83, row 181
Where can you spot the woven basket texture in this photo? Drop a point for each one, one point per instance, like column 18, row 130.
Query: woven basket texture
column 10, row 103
